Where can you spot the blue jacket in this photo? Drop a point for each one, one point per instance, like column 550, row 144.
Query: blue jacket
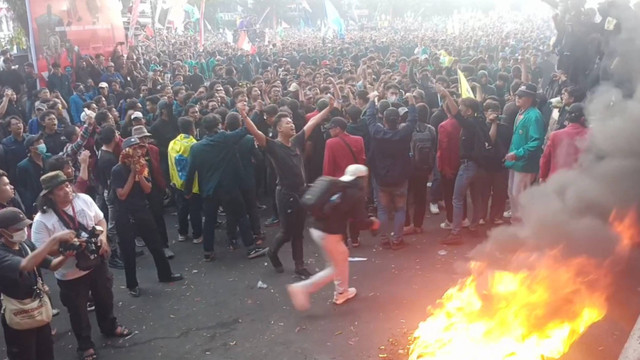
column 29, row 187
column 14, row 152
column 389, row 157
column 215, row 160
column 77, row 102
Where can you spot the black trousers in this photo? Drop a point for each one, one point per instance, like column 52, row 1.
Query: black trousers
column 74, row 295
column 417, row 198
column 250, row 198
column 447, row 185
column 31, row 344
column 143, row 224
column 233, row 204
column 156, row 205
column 292, row 217
column 189, row 210
column 494, row 193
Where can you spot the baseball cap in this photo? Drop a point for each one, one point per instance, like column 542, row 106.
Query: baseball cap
column 337, row 122
column 103, row 85
column 129, row 142
column 402, row 111
column 12, row 218
column 527, row 90
column 576, row 110
column 29, row 141
column 137, row 115
column 354, row 171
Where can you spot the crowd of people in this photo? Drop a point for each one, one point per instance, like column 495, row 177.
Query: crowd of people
column 98, row 154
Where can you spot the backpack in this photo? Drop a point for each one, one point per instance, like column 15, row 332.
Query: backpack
column 322, row 198
column 423, row 148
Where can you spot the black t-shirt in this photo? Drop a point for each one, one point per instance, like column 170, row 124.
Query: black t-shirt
column 315, row 161
column 136, row 200
column 106, row 162
column 55, row 142
column 14, row 283
column 288, row 162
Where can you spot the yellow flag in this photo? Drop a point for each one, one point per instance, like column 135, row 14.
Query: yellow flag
column 463, row 86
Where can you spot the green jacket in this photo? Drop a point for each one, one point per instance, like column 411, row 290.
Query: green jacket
column 526, row 144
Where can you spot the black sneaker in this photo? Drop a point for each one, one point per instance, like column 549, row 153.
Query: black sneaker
column 91, row 306
column 397, row 244
column 274, row 221
column 135, row 292
column 303, row 273
column 116, row 263
column 275, row 261
column 172, row 278
column 257, row 252
column 209, row 257
column 355, row 242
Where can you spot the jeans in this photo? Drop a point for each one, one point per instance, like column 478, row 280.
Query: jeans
column 74, row 295
column 292, row 217
column 143, row 224
column 465, row 175
column 518, row 183
column 392, row 202
column 30, row 344
column 436, row 185
column 156, row 205
column 417, row 198
column 189, row 210
column 448, row 185
column 232, row 203
column 337, row 256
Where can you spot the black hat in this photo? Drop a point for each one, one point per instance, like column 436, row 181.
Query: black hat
column 129, row 142
column 52, row 180
column 527, row 90
column 576, row 110
column 337, row 122
column 12, row 218
column 30, row 140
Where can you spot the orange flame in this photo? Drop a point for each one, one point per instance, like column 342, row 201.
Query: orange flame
column 534, row 308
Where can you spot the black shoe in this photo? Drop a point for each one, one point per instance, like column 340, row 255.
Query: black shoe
column 355, row 242
column 116, row 263
column 303, row 273
column 209, row 257
column 233, row 244
column 135, row 292
column 261, row 207
column 91, row 306
column 274, row 221
column 172, row 278
column 257, row 252
column 397, row 244
column 275, row 261
column 452, row 239
column 139, row 253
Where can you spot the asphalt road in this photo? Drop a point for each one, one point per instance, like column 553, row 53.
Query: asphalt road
column 219, row 313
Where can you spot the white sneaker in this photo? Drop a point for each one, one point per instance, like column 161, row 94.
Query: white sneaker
column 481, row 222
column 182, row 238
column 140, row 243
column 341, row 298
column 445, row 225
column 198, row 240
column 466, row 223
column 507, row 214
column 299, row 297
column 435, row 210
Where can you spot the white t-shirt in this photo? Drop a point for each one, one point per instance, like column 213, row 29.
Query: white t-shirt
column 45, row 225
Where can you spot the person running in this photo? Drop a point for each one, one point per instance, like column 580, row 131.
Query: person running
column 327, row 232
column 286, row 155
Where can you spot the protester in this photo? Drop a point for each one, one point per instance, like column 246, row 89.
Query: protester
column 327, row 231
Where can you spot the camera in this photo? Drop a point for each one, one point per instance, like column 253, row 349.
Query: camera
column 89, row 256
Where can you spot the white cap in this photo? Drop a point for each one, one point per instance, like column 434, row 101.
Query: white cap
column 137, row 115
column 87, row 113
column 354, row 171
column 103, row 85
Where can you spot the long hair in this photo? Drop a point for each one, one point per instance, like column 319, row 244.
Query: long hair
column 44, row 203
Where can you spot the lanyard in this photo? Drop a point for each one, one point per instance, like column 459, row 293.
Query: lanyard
column 75, row 218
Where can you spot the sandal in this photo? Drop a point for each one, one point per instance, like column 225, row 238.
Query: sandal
column 124, row 332
column 82, row 355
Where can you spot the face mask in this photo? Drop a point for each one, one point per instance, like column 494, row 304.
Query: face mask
column 42, row 149
column 19, row 236
column 393, row 99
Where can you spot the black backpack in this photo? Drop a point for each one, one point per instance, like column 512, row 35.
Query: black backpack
column 322, row 198
column 424, row 148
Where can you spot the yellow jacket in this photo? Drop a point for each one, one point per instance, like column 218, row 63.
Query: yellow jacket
column 179, row 150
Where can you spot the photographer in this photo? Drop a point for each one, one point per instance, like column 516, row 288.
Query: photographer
column 20, row 281
column 60, row 209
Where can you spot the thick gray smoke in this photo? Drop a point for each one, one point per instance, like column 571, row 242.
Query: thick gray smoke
column 573, row 208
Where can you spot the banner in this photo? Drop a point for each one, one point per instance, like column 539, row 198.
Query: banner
column 202, row 25
column 135, row 12
column 65, row 31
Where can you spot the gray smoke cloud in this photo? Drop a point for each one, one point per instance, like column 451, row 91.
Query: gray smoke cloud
column 573, row 208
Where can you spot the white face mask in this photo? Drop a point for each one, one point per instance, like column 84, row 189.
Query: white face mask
column 20, row 236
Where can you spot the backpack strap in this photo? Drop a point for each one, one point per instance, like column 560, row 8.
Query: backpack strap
column 355, row 159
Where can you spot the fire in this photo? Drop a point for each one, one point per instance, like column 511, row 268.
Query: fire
column 533, row 308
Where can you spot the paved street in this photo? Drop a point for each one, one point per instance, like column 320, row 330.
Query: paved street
column 219, row 312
